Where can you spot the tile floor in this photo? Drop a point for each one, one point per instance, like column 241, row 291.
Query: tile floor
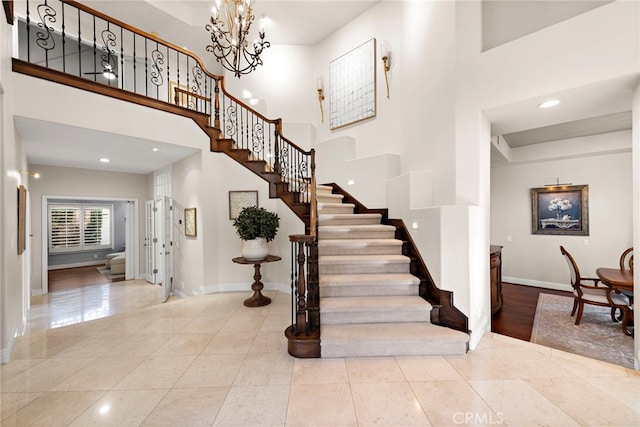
column 115, row 355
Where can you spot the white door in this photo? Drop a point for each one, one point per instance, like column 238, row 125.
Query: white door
column 167, row 245
column 150, row 242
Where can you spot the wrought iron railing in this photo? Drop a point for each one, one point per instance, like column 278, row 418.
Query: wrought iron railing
column 63, row 36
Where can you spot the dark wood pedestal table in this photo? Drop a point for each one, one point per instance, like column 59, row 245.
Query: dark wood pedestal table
column 257, row 299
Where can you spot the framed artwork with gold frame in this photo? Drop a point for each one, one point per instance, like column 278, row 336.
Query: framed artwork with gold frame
column 190, row 223
column 560, row 210
column 239, row 200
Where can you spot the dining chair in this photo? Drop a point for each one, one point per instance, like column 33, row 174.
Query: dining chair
column 587, row 291
column 626, row 259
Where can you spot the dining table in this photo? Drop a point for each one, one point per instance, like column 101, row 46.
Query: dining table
column 622, row 280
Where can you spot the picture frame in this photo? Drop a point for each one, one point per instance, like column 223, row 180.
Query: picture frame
column 352, row 86
column 241, row 199
column 560, row 210
column 22, row 218
column 190, row 222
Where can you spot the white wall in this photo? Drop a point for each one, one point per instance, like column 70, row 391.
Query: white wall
column 636, row 206
column 14, row 297
column 535, row 259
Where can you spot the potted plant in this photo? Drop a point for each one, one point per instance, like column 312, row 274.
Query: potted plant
column 256, row 226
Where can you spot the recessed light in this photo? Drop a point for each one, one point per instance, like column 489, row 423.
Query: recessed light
column 104, row 160
column 549, row 104
column 155, row 149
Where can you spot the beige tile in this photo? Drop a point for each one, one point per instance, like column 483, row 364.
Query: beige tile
column 204, row 325
column 225, row 343
column 120, row 408
column 584, row 367
column 374, row 369
column 480, row 366
column 254, row 406
column 320, row 371
column 519, row 404
column 427, row 368
column 156, row 372
column 166, row 325
column 44, row 376
column 269, row 342
column 321, row 405
column 16, row 367
column 184, row 344
column 47, row 346
column 390, row 404
column 11, row 402
column 92, row 346
column 138, row 345
column 211, row 371
column 625, row 390
column 101, row 374
column 448, row 403
column 187, row 407
column 586, row 404
column 54, row 408
column 265, row 369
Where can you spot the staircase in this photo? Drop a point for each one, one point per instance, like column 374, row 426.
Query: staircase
column 369, row 300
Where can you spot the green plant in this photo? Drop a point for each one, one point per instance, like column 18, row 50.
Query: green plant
column 253, row 222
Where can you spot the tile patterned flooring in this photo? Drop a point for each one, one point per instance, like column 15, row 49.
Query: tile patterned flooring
column 113, row 354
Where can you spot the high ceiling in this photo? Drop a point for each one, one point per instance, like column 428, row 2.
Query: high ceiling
column 584, row 111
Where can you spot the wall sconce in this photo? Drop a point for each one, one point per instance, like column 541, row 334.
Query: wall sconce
column 320, row 97
column 36, row 175
column 386, row 62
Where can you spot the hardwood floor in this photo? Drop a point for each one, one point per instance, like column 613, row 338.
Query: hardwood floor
column 70, row 278
column 518, row 310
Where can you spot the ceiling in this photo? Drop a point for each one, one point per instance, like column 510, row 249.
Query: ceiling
column 589, row 110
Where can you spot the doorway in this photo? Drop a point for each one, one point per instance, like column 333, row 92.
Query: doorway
column 85, row 264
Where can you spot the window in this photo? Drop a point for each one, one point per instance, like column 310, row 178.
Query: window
column 77, row 227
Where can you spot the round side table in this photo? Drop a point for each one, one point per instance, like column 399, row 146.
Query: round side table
column 257, row 299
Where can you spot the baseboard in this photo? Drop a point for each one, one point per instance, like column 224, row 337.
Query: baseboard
column 5, row 353
column 537, row 283
column 75, row 265
column 477, row 333
column 242, row 287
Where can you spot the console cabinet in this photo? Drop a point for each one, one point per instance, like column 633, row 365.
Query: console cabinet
column 495, row 263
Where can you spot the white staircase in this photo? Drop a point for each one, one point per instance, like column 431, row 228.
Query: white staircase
column 369, row 301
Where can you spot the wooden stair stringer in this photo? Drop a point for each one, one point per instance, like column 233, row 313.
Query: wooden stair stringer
column 278, row 187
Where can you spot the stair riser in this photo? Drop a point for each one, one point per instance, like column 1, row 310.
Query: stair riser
column 354, row 220
column 364, row 349
column 363, row 268
column 360, row 291
column 331, row 235
column 360, row 250
column 335, row 210
column 397, row 316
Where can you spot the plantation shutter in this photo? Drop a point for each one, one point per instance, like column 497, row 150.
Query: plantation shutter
column 97, row 227
column 64, row 228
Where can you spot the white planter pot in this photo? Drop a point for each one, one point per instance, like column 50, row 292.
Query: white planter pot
column 255, row 250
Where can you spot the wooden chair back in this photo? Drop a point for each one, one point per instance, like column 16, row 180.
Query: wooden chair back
column 626, row 259
column 573, row 268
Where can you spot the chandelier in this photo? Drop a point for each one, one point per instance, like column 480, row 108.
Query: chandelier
column 229, row 27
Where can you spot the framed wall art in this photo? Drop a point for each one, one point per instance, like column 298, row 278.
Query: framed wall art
column 561, row 210
column 190, row 222
column 352, row 86
column 239, row 200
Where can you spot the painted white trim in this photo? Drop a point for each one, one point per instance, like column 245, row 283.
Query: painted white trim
column 243, row 287
column 74, row 265
column 537, row 283
column 478, row 333
column 129, row 254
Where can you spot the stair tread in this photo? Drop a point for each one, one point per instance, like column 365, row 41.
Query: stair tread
column 329, row 204
column 370, row 279
column 377, row 303
column 356, row 227
column 349, row 215
column 359, row 242
column 363, row 259
column 390, row 333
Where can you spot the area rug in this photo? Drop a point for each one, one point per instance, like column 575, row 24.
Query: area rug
column 596, row 336
column 106, row 272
